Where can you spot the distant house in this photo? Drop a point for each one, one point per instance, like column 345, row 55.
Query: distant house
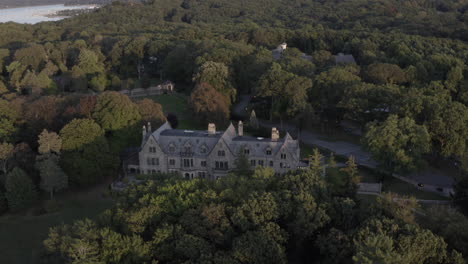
column 279, row 50
column 276, row 53
column 342, row 58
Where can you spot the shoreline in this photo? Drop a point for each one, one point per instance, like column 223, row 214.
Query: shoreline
column 39, row 5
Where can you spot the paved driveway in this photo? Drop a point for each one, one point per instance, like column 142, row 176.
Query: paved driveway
column 432, row 177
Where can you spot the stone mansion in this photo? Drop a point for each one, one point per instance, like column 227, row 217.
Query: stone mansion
column 212, row 154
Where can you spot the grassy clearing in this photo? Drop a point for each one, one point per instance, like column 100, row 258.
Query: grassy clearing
column 179, row 105
column 21, row 236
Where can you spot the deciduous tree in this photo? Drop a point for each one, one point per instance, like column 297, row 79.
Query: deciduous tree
column 20, row 190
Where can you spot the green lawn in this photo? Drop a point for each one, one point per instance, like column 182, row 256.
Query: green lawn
column 21, row 236
column 392, row 184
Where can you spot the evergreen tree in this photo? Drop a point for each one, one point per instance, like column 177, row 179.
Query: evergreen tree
column 352, row 176
column 315, row 161
column 242, row 164
column 332, row 161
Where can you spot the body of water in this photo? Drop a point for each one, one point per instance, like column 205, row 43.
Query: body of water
column 36, row 14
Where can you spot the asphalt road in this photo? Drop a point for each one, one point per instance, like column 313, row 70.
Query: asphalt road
column 431, row 178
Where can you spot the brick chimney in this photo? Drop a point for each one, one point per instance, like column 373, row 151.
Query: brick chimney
column 211, row 128
column 144, row 132
column 274, row 134
column 240, row 129
column 149, row 128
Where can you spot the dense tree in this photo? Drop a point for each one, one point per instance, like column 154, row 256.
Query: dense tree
column 217, row 75
column 20, row 191
column 114, row 111
column 87, row 105
column 385, row 73
column 6, row 153
column 330, row 85
column 449, row 130
column 399, row 143
column 288, row 92
column 87, row 157
column 402, row 208
column 53, row 179
column 383, row 241
column 8, row 118
column 49, row 142
column 150, row 111
column 450, row 224
column 352, row 176
column 209, row 104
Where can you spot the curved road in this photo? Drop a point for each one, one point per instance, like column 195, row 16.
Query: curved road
column 431, row 178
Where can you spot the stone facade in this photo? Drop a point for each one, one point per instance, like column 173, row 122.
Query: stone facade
column 212, row 154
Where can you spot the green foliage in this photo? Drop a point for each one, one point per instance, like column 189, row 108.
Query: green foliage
column 87, row 157
column 115, row 111
column 53, row 179
column 450, row 224
column 315, row 161
column 402, row 208
column 8, row 116
column 80, row 133
column 20, row 191
column 352, row 177
column 376, row 243
column 399, row 143
column 217, row 75
column 6, row 153
column 242, row 164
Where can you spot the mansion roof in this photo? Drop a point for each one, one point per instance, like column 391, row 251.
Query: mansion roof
column 202, row 142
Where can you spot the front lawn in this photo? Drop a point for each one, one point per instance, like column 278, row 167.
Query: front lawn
column 21, row 235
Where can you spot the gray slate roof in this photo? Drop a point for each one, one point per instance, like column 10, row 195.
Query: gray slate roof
column 201, row 139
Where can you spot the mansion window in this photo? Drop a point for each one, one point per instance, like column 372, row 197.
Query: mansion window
column 202, row 174
column 172, row 162
column 246, row 151
column 221, row 153
column 188, row 163
column 152, row 149
column 268, row 151
column 260, row 163
column 203, row 150
column 153, row 161
column 188, row 149
column 221, row 165
column 171, row 148
column 271, row 163
column 283, row 156
column 203, row 163
column 252, row 162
